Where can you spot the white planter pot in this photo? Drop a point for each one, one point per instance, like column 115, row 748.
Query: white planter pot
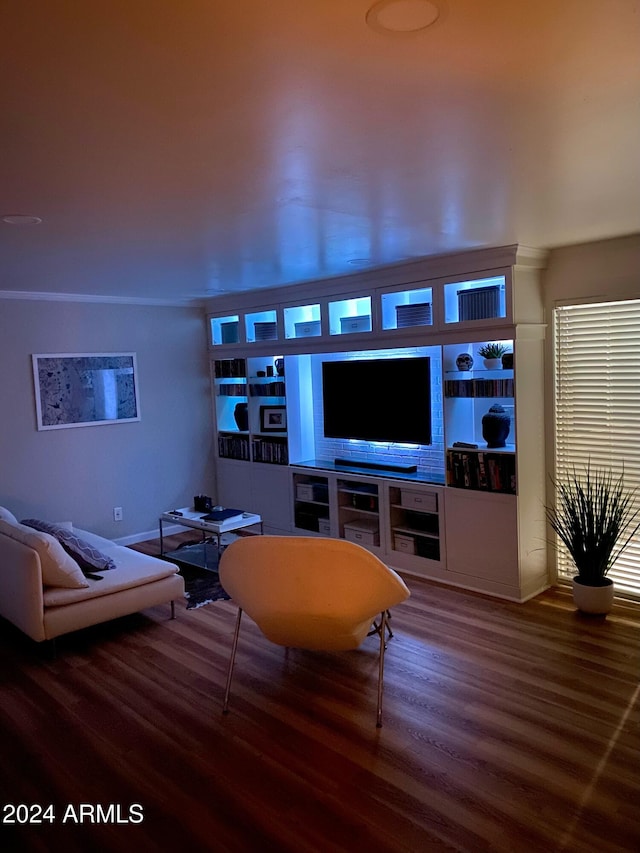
column 492, row 363
column 593, row 599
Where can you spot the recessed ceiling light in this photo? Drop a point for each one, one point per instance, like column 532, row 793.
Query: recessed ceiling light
column 360, row 262
column 402, row 16
column 21, row 219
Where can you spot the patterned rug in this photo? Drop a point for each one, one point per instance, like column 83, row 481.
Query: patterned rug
column 202, row 585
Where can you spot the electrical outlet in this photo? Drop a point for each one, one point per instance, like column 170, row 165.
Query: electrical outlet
column 117, row 513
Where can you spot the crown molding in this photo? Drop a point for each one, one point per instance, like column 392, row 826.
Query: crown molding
column 39, row 296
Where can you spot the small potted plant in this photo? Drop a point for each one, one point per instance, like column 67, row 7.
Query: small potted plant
column 492, row 355
column 596, row 518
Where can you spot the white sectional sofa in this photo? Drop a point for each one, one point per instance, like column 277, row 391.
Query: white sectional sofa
column 45, row 592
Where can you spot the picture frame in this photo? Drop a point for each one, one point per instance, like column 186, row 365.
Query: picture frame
column 85, row 389
column 273, row 418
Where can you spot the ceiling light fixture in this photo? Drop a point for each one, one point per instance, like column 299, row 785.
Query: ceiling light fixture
column 402, row 16
column 21, row 219
column 360, row 262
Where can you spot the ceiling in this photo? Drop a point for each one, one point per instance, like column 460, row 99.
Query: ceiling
column 176, row 149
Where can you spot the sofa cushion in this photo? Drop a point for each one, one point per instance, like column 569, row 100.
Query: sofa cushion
column 57, row 567
column 88, row 557
column 6, row 515
column 133, row 569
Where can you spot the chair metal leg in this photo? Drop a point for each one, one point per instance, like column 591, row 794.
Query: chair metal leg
column 375, row 628
column 225, row 707
column 383, row 646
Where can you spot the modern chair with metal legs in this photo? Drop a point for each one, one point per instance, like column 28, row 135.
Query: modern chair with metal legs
column 311, row 593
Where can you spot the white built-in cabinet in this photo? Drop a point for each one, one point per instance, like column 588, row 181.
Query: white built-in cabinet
column 477, row 519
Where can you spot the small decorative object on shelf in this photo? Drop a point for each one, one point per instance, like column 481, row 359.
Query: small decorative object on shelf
column 492, row 353
column 241, row 416
column 495, row 426
column 464, row 361
column 279, row 366
column 507, row 361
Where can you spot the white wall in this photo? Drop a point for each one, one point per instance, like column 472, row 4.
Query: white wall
column 145, row 467
column 606, row 270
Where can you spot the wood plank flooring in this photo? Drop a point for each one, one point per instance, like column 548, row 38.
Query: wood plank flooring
column 507, row 727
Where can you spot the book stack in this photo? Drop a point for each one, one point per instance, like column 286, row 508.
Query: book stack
column 232, row 389
column 267, row 389
column 233, row 446
column 225, row 368
column 272, row 451
column 489, row 472
column 478, row 387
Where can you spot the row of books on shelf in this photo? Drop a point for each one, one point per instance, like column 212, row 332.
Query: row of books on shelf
column 483, row 471
column 267, row 389
column 225, row 368
column 273, row 451
column 233, row 446
column 478, row 388
column 232, row 389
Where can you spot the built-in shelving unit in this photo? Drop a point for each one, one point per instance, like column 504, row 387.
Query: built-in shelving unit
column 471, row 515
column 250, row 410
column 358, row 511
column 414, row 522
column 473, row 461
column 311, row 503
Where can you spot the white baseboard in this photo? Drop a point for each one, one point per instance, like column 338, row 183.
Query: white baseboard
column 167, row 530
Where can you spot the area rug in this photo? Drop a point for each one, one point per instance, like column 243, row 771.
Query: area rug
column 202, row 585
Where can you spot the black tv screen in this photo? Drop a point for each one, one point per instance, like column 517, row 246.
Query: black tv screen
column 386, row 400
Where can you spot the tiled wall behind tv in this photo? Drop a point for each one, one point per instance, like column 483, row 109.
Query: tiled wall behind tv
column 428, row 458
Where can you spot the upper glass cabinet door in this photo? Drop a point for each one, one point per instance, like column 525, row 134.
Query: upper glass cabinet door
column 470, row 301
column 403, row 309
column 261, row 326
column 348, row 316
column 224, row 330
column 302, row 321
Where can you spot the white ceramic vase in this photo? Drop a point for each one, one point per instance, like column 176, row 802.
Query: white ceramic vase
column 597, row 600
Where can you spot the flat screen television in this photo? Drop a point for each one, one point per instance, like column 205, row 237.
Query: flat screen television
column 382, row 399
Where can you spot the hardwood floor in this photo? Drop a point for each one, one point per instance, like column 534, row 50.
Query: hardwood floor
column 506, row 728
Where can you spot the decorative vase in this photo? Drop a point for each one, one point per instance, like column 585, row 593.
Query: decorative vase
column 507, row 361
column 492, row 363
column 495, row 426
column 464, row 361
column 597, row 600
column 279, row 366
column 241, row 416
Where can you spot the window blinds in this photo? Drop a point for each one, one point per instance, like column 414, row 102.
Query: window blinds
column 597, row 398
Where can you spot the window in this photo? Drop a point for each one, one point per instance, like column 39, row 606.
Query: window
column 597, row 388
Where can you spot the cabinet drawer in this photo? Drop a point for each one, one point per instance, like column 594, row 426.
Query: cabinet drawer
column 423, row 501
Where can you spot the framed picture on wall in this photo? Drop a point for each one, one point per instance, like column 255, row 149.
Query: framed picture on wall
column 85, row 389
column 273, row 419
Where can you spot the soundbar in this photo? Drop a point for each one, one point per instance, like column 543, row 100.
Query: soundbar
column 397, row 467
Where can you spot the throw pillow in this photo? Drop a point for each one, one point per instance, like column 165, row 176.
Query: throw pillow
column 89, row 559
column 58, row 569
column 6, row 515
